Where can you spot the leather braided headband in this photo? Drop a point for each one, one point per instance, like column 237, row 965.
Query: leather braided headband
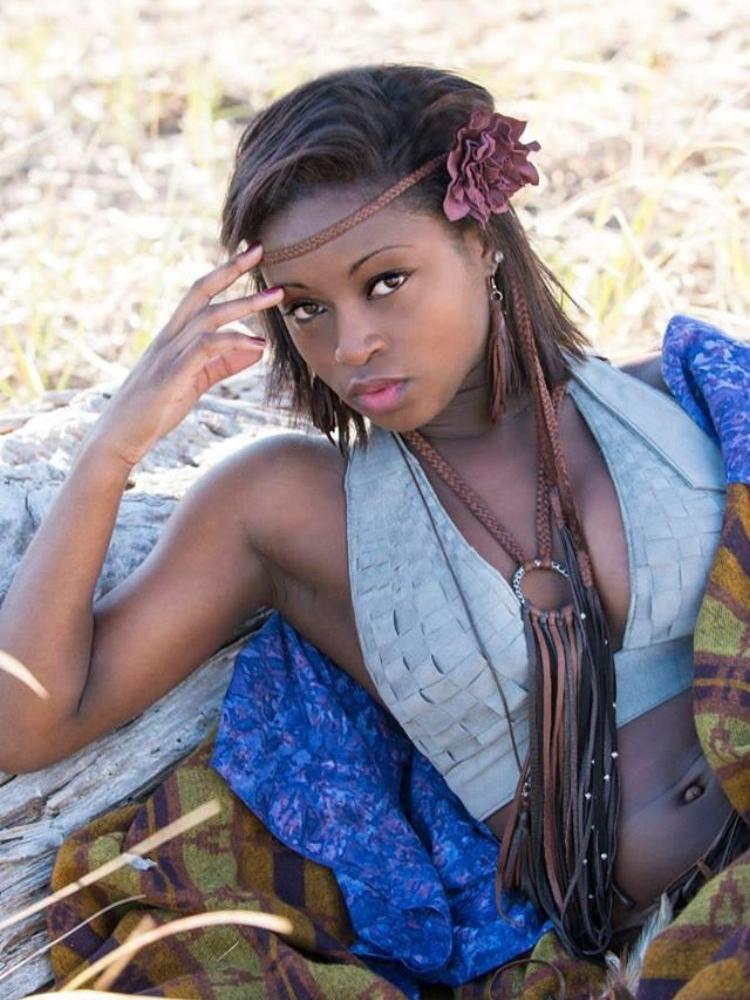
column 354, row 219
column 487, row 163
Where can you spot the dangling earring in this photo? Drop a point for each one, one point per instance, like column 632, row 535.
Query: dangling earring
column 498, row 361
column 322, row 408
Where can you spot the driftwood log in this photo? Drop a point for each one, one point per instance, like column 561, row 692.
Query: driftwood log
column 37, row 811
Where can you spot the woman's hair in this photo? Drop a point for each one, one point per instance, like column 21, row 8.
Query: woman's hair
column 373, row 125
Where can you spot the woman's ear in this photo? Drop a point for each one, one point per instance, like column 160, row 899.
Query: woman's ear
column 479, row 247
column 491, row 256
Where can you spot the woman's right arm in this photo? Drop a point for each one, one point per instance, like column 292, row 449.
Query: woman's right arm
column 103, row 665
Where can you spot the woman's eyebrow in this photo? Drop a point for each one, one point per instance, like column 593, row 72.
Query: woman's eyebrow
column 356, row 265
column 392, row 246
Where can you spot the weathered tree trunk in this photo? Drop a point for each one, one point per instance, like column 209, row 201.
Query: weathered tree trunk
column 37, row 811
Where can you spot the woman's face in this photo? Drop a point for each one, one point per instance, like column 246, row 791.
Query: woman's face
column 393, row 315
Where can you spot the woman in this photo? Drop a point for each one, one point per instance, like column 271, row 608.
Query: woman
column 425, row 311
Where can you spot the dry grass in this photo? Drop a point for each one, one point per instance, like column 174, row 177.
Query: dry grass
column 10, row 665
column 119, row 119
column 106, row 969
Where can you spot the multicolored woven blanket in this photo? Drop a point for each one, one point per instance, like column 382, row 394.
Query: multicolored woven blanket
column 233, row 861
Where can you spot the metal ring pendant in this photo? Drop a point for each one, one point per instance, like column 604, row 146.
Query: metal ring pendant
column 529, row 567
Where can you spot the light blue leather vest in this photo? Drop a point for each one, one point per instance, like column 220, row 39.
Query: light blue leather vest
column 414, row 629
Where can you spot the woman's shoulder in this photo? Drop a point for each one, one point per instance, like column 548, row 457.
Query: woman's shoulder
column 283, row 458
column 292, row 461
column 280, row 483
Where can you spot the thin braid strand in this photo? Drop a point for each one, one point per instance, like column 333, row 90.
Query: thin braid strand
column 543, row 512
column 550, row 431
column 463, row 491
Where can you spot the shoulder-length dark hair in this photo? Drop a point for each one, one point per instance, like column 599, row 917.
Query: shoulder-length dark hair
column 373, row 125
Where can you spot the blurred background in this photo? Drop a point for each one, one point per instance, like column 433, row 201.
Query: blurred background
column 118, row 122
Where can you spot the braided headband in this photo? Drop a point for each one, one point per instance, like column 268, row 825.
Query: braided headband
column 487, row 164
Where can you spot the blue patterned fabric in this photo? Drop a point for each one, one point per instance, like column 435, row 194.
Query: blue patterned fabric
column 708, row 373
column 333, row 777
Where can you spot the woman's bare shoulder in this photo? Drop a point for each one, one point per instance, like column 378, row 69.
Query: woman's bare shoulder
column 284, row 484
column 287, row 460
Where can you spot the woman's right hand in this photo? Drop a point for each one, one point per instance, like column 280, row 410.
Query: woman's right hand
column 187, row 357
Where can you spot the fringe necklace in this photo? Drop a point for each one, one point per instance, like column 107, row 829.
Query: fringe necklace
column 560, row 841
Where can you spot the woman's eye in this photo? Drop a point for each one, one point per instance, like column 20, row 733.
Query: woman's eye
column 390, row 282
column 303, row 311
column 384, row 284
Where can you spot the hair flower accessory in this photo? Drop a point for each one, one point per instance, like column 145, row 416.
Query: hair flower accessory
column 487, row 165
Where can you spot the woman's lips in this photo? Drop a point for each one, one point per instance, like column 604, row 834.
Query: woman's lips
column 385, row 394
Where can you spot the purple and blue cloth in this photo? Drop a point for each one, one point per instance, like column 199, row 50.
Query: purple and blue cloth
column 708, row 373
column 333, row 777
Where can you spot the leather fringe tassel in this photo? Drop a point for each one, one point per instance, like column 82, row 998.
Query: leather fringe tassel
column 503, row 369
column 560, row 842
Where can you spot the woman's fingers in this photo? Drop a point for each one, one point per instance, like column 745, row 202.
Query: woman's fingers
column 194, row 351
column 202, row 348
column 225, row 365
column 214, row 316
column 205, row 288
column 206, row 327
column 211, row 357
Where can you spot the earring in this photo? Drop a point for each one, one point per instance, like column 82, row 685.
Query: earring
column 498, row 361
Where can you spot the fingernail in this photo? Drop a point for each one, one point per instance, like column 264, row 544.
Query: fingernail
column 252, row 247
column 273, row 290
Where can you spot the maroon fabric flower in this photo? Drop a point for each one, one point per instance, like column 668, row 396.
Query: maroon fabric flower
column 487, row 164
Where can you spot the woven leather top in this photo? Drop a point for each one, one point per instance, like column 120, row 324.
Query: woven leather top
column 414, row 629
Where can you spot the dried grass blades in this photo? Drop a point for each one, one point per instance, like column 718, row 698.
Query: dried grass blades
column 181, row 825
column 16, row 669
column 110, row 975
column 135, row 942
column 106, row 969
column 12, row 969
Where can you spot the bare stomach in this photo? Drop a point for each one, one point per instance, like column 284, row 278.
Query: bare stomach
column 671, row 804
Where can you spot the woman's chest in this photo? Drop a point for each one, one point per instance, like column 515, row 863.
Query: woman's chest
column 508, row 485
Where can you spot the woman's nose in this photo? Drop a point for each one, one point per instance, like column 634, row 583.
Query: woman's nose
column 356, row 342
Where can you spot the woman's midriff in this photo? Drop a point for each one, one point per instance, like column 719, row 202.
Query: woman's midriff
column 671, row 804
